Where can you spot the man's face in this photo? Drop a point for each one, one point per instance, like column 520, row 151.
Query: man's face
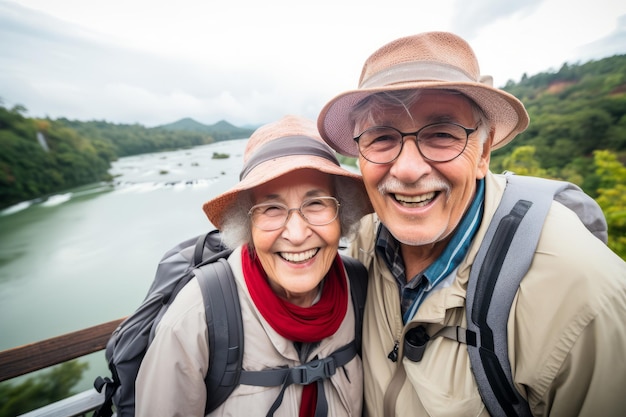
column 421, row 202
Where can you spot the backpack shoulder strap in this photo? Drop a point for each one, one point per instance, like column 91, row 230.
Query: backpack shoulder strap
column 502, row 261
column 357, row 274
column 225, row 330
column 209, row 248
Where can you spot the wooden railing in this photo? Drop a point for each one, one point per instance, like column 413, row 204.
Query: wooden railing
column 39, row 355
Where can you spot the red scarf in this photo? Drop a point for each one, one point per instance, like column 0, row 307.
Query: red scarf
column 299, row 324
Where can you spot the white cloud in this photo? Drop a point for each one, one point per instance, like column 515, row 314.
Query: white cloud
column 546, row 38
column 249, row 62
column 614, row 43
column 470, row 17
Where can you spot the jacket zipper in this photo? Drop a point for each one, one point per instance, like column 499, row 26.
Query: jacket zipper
column 393, row 355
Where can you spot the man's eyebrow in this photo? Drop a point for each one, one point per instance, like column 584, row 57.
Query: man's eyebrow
column 441, row 118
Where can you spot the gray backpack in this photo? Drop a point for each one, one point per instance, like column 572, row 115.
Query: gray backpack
column 205, row 258
column 502, row 261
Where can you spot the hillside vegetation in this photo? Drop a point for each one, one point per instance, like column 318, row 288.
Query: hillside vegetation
column 221, row 130
column 573, row 112
column 39, row 157
column 577, row 133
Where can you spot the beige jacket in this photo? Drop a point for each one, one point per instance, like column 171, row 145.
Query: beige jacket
column 171, row 377
column 566, row 333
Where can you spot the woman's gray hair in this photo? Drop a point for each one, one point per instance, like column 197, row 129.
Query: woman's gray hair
column 353, row 205
column 236, row 224
column 401, row 101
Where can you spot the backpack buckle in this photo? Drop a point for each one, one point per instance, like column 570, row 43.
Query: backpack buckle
column 313, row 371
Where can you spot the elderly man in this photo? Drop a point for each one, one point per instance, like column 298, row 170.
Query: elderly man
column 423, row 123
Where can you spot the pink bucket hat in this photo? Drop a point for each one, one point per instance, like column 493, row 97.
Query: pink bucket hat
column 432, row 60
column 277, row 149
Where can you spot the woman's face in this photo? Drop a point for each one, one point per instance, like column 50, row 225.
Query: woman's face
column 297, row 256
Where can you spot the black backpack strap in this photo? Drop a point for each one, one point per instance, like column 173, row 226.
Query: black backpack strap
column 106, row 408
column 311, row 372
column 216, row 249
column 358, row 276
column 524, row 206
column 225, row 330
column 302, row 374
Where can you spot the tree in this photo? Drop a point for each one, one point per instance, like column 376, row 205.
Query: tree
column 522, row 161
column 612, row 198
column 36, row 392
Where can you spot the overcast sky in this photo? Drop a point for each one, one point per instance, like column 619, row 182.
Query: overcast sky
column 250, row 62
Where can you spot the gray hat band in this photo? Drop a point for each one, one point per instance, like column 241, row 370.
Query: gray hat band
column 416, row 71
column 287, row 146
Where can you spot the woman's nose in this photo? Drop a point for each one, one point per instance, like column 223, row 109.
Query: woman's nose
column 296, row 228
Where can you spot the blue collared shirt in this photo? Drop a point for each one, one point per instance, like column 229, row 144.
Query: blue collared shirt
column 417, row 289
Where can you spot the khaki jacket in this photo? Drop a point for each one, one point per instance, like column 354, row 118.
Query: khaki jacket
column 171, row 377
column 566, row 333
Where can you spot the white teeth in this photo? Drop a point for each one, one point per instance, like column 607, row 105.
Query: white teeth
column 414, row 199
column 298, row 256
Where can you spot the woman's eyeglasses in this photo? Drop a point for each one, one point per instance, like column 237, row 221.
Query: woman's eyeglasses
column 318, row 211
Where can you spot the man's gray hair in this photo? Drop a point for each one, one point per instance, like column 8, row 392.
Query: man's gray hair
column 402, row 100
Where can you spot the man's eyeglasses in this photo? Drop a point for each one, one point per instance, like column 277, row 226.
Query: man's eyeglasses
column 438, row 142
column 318, row 211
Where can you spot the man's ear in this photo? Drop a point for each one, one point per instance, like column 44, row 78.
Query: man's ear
column 485, row 157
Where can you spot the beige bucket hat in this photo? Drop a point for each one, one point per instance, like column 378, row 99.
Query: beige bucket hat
column 277, row 149
column 431, row 60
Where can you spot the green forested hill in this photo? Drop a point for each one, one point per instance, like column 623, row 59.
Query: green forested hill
column 221, row 130
column 577, row 132
column 74, row 153
column 573, row 112
column 135, row 139
column 64, row 159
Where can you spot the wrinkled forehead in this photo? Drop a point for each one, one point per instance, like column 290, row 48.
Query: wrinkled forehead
column 300, row 184
column 379, row 108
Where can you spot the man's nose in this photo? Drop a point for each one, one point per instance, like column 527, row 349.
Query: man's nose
column 410, row 164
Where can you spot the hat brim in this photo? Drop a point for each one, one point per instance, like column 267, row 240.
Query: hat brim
column 505, row 112
column 217, row 207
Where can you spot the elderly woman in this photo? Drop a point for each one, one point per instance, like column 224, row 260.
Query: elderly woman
column 285, row 219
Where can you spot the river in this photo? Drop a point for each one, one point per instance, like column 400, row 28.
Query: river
column 88, row 256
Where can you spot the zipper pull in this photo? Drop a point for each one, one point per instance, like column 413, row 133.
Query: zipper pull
column 393, row 355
